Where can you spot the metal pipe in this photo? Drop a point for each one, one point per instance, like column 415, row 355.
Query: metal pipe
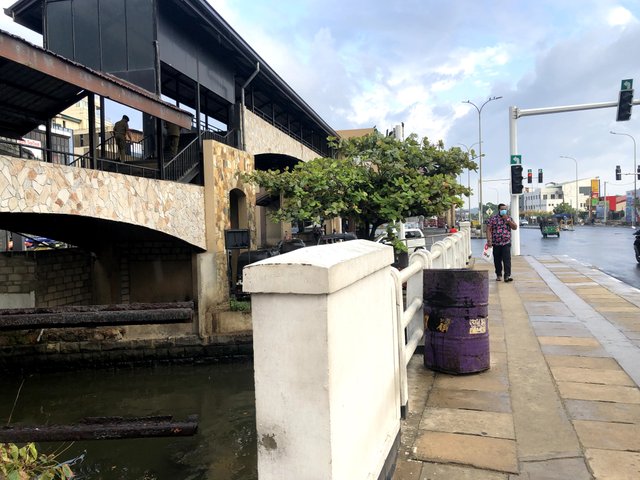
column 242, row 106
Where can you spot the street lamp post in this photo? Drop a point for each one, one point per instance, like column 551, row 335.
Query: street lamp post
column 479, row 109
column 635, row 176
column 576, row 162
column 469, row 174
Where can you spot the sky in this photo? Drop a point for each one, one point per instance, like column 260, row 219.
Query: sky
column 363, row 64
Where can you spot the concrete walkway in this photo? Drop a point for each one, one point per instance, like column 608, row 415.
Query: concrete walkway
column 561, row 399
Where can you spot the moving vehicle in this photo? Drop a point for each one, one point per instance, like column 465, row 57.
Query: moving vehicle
column 523, row 222
column 549, row 226
column 636, row 245
column 414, row 239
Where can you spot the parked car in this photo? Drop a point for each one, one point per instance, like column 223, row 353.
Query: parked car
column 414, row 238
column 523, row 222
column 636, row 245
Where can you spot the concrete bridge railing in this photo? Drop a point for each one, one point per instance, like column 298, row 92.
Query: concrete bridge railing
column 330, row 355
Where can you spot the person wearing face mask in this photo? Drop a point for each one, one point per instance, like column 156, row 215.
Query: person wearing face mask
column 499, row 229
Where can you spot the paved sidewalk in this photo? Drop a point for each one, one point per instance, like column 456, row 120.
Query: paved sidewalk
column 561, row 399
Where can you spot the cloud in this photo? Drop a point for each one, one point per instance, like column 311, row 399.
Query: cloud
column 620, row 16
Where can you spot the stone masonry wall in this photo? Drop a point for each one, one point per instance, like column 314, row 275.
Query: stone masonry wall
column 262, row 137
column 30, row 186
column 17, row 273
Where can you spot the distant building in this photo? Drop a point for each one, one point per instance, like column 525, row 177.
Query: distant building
column 553, row 194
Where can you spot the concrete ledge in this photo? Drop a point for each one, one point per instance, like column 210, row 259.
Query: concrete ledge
column 322, row 269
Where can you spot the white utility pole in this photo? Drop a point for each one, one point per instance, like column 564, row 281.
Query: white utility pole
column 514, row 114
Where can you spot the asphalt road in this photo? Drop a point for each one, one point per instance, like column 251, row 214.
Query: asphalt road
column 609, row 249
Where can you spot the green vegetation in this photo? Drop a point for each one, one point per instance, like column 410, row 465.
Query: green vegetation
column 24, row 463
column 239, row 305
column 374, row 180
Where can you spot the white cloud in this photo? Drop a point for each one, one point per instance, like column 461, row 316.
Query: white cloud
column 619, row 16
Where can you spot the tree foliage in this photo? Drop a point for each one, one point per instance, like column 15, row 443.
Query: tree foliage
column 564, row 208
column 24, row 463
column 374, row 179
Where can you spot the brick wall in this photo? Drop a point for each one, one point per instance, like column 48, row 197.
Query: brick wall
column 58, row 277
column 63, row 278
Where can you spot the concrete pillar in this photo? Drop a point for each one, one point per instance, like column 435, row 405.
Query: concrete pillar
column 326, row 362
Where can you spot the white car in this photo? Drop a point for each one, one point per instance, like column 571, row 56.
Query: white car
column 523, row 221
column 415, row 239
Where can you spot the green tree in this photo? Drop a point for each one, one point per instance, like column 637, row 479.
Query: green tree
column 374, row 179
column 564, row 208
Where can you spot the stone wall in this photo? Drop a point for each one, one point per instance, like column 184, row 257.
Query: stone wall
column 221, row 167
column 29, row 186
column 262, row 137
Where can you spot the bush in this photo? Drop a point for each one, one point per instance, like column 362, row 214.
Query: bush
column 239, row 305
column 24, row 464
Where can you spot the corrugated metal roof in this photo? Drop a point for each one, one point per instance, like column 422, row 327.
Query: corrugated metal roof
column 36, row 84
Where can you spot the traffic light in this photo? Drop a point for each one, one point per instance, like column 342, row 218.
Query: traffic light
column 625, row 101
column 618, row 173
column 539, row 175
column 516, row 179
column 529, row 176
column 638, row 172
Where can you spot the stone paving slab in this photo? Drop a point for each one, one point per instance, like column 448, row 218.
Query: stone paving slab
column 599, row 363
column 481, row 452
column 547, row 308
column 575, row 279
column 615, row 308
column 608, row 435
column 554, row 319
column 603, row 411
column 561, row 329
column 470, row 400
column 575, row 350
column 603, row 393
column 596, row 291
column 551, row 380
column 613, row 465
column 472, row 422
column 569, row 341
column 555, row 469
column 437, row 471
column 539, row 297
column 583, row 375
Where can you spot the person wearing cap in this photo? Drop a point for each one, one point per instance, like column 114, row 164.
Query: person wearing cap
column 122, row 133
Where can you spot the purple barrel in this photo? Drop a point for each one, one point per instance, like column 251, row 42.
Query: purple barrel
column 456, row 329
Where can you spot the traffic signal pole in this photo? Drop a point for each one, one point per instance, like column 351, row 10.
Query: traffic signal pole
column 514, row 114
column 515, row 198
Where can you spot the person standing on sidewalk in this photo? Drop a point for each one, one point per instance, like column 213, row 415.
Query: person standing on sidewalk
column 499, row 229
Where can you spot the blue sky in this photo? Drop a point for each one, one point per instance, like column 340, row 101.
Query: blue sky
column 360, row 64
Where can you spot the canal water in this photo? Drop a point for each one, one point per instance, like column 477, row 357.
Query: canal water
column 222, row 395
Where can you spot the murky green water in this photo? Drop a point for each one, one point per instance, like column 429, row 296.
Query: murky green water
column 222, row 395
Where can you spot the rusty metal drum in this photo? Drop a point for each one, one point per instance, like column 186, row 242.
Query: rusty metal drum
column 456, row 329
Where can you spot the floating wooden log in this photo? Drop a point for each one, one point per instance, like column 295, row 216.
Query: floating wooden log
column 96, row 315
column 102, row 428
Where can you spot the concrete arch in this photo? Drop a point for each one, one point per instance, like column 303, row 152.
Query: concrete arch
column 32, row 190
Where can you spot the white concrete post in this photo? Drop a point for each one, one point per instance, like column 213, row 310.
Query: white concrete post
column 326, row 362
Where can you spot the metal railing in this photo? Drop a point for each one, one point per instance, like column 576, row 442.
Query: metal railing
column 186, row 160
column 454, row 251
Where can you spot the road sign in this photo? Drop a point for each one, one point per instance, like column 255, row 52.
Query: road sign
column 489, row 211
column 516, row 159
column 627, row 84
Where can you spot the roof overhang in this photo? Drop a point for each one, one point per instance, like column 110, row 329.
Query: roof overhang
column 37, row 84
